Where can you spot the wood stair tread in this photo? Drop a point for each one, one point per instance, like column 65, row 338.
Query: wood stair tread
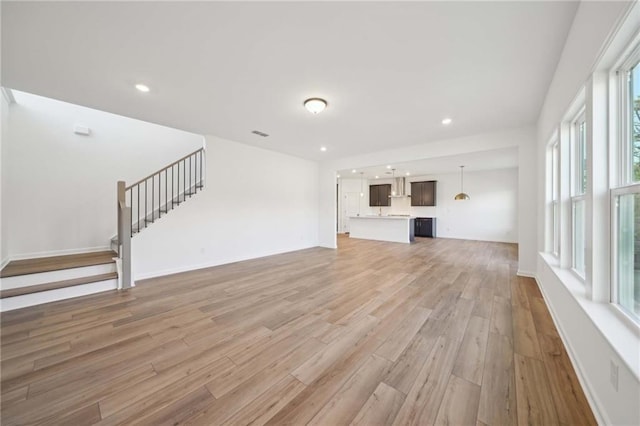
column 56, row 263
column 21, row 291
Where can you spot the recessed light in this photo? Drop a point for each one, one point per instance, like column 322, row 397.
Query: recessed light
column 407, row 173
column 353, row 171
column 142, row 87
column 338, row 176
column 323, row 148
column 388, row 167
column 376, row 177
column 446, row 121
column 315, row 105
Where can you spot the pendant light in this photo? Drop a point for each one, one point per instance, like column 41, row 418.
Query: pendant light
column 461, row 195
column 361, row 193
column 393, row 191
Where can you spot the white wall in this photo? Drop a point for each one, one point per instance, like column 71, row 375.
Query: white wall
column 523, row 138
column 60, row 188
column 590, row 348
column 255, row 203
column 4, row 229
column 527, row 212
column 490, row 215
column 590, row 330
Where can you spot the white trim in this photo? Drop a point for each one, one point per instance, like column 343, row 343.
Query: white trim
column 632, row 188
column 576, row 107
column 602, row 316
column 171, row 271
column 51, row 253
column 620, row 117
column 527, row 274
column 616, row 36
column 592, row 399
column 614, row 287
column 8, row 95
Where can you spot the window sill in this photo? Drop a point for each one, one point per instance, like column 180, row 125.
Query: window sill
column 622, row 333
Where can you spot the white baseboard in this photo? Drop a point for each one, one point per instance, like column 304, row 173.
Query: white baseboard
column 593, row 400
column 4, row 262
column 528, row 274
column 171, row 271
column 50, row 253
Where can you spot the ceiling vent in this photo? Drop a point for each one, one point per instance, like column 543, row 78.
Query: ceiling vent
column 259, row 133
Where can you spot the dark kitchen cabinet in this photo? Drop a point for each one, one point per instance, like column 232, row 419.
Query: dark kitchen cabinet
column 379, row 195
column 423, row 193
column 425, row 227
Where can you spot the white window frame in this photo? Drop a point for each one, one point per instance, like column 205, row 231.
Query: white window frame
column 578, row 194
column 554, row 197
column 625, row 167
column 623, row 172
column 615, row 287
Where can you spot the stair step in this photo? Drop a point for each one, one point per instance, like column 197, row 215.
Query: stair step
column 56, row 263
column 21, row 291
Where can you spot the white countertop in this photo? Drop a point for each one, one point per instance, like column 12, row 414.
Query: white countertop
column 383, row 217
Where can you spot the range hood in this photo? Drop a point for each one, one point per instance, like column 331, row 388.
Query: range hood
column 398, row 188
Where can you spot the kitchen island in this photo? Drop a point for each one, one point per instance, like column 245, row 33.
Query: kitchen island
column 397, row 229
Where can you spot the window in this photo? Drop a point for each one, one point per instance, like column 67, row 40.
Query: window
column 626, row 197
column 554, row 192
column 578, row 190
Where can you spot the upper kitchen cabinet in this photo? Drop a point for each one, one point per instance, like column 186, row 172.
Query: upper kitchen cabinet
column 379, row 195
column 423, row 193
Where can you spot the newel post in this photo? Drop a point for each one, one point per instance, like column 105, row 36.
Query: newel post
column 124, row 236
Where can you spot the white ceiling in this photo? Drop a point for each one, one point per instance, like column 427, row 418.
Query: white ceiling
column 389, row 70
column 472, row 162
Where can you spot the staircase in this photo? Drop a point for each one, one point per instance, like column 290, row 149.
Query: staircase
column 41, row 280
column 143, row 221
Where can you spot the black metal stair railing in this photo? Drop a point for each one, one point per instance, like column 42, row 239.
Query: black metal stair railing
column 161, row 192
column 145, row 201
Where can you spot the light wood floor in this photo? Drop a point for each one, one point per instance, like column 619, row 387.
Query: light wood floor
column 437, row 332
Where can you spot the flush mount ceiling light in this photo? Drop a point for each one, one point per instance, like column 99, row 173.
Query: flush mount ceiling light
column 461, row 195
column 142, row 87
column 315, row 105
column 446, row 121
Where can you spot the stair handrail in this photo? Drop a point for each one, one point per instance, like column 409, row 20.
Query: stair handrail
column 164, row 168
